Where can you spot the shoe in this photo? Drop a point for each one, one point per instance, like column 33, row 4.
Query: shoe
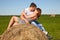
column 49, row 37
column 45, row 32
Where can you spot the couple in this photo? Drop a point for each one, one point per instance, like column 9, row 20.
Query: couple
column 29, row 15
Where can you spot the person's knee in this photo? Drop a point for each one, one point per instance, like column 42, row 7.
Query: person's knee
column 13, row 16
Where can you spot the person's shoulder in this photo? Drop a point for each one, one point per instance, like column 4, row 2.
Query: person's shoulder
column 27, row 8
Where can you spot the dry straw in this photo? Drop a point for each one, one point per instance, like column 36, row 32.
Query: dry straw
column 23, row 32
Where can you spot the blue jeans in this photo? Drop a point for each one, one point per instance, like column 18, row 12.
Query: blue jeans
column 37, row 24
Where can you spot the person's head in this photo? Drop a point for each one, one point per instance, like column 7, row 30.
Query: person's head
column 32, row 6
column 38, row 11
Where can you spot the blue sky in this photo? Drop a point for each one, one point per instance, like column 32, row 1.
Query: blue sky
column 15, row 7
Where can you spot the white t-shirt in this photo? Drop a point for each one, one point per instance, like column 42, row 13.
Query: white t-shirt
column 28, row 13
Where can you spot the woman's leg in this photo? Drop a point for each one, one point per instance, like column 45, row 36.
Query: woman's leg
column 12, row 21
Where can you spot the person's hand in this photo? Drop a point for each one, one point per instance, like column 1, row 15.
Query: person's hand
column 33, row 18
column 27, row 22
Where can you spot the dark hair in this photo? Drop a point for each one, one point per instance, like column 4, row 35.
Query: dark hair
column 39, row 12
column 33, row 5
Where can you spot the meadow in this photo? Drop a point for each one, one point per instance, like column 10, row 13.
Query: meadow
column 51, row 24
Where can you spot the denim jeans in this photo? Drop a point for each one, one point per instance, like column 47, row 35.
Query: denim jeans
column 37, row 24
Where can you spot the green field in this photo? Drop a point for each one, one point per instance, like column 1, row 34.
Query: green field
column 51, row 24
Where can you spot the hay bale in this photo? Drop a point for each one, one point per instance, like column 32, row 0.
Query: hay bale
column 52, row 15
column 23, row 32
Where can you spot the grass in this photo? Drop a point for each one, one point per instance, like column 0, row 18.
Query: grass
column 51, row 24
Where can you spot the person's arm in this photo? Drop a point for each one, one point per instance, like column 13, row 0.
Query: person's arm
column 23, row 17
column 32, row 15
column 34, row 18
